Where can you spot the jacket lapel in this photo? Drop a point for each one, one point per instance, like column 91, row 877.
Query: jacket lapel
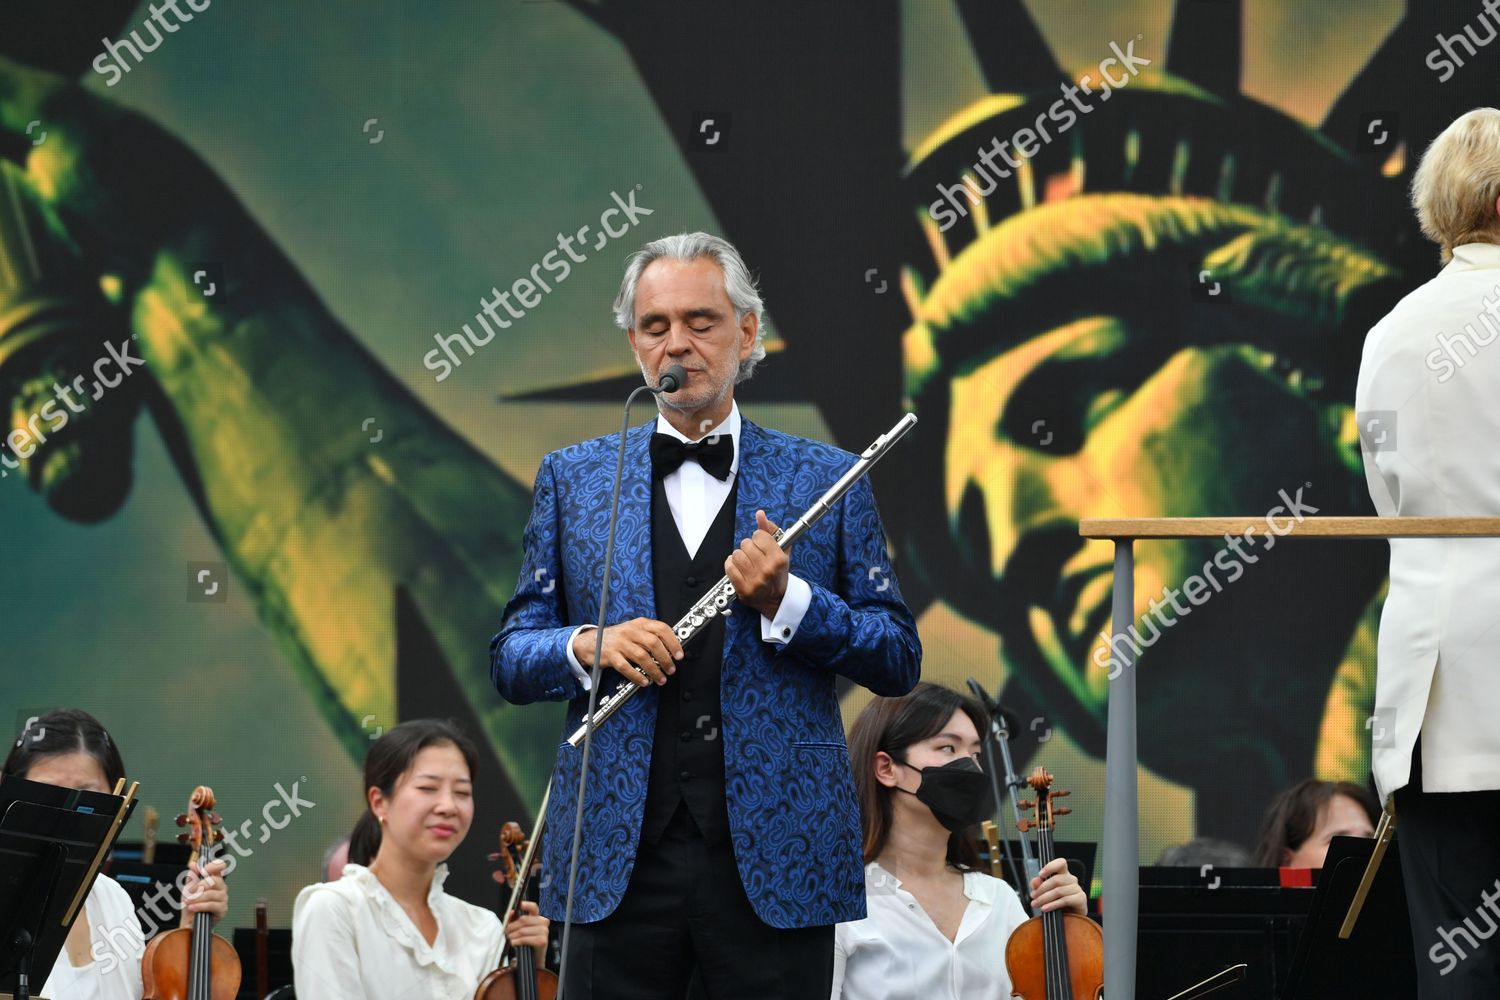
column 757, row 488
column 632, row 588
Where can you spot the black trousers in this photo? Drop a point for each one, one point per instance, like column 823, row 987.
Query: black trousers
column 1449, row 845
column 685, row 907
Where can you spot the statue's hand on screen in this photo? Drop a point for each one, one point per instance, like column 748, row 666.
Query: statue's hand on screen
column 138, row 204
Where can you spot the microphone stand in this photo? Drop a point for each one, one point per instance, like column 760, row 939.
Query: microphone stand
column 999, row 735
column 671, row 380
column 1010, row 859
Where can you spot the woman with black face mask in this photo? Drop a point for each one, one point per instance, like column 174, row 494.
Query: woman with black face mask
column 936, row 925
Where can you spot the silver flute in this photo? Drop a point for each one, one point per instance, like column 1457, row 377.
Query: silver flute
column 716, row 602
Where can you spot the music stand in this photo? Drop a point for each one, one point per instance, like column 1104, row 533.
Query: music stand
column 1081, row 855
column 1377, row 959
column 1195, row 922
column 168, row 852
column 278, row 957
column 52, row 842
column 140, row 881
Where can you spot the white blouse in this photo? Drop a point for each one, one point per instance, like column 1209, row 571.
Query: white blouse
column 351, row 940
column 898, row 951
column 116, row 943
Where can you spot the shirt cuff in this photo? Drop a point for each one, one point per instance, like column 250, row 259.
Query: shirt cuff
column 794, row 604
column 577, row 668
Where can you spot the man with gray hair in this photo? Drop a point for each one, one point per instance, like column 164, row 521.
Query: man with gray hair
column 1428, row 408
column 722, row 830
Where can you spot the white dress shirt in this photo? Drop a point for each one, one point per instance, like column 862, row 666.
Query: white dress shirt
column 351, row 940
column 117, row 945
column 897, row 951
column 695, row 498
column 1428, row 404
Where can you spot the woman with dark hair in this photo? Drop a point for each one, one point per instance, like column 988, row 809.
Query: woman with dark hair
column 936, row 925
column 364, row 842
column 387, row 928
column 1302, row 819
column 101, row 959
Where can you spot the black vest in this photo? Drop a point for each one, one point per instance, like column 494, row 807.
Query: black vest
column 687, row 753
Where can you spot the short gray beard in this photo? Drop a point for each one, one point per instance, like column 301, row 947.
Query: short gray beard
column 668, row 401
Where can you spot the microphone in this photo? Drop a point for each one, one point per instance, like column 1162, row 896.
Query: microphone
column 671, row 379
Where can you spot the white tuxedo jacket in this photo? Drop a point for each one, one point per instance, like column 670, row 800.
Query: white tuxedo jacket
column 1428, row 406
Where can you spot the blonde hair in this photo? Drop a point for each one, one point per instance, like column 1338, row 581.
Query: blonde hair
column 1457, row 182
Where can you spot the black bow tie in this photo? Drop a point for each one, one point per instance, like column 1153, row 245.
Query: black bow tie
column 715, row 453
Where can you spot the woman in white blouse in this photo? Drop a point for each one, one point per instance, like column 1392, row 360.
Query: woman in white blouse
column 389, row 929
column 101, row 959
column 936, row 926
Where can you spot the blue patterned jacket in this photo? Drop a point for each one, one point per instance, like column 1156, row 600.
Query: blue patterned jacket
column 793, row 816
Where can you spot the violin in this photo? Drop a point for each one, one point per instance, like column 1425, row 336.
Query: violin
column 1057, row 955
column 193, row 963
column 518, row 977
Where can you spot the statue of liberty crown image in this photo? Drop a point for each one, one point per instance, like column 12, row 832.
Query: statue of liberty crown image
column 1157, row 312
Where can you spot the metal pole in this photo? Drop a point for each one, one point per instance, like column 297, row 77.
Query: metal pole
column 1013, row 783
column 1121, row 888
column 1000, row 736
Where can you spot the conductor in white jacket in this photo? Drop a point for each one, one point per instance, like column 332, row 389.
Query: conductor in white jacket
column 1428, row 406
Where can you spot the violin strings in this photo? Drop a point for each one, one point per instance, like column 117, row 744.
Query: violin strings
column 1054, row 944
column 1049, row 943
column 198, row 958
column 200, row 975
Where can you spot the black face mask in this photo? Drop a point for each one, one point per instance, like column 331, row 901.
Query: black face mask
column 958, row 793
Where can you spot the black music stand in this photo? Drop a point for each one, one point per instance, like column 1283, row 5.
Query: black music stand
column 1378, row 958
column 1081, row 855
column 1195, row 922
column 140, row 881
column 52, row 841
column 168, row 852
column 278, row 959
